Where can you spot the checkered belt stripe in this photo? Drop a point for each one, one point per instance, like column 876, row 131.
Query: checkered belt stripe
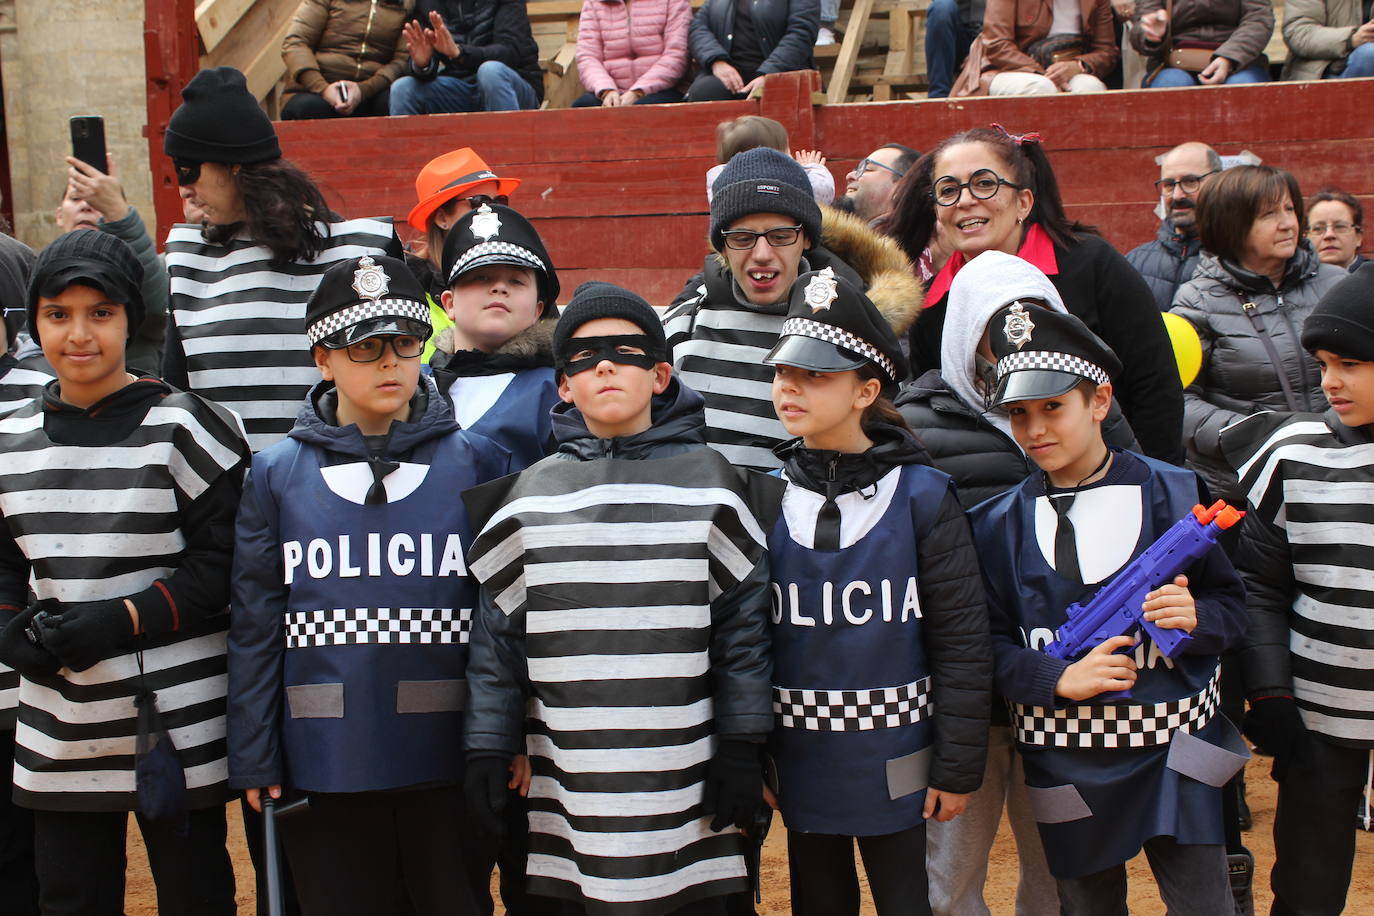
column 1054, row 362
column 805, row 327
column 1112, row 725
column 853, row 710
column 486, row 249
column 372, row 308
column 353, row 626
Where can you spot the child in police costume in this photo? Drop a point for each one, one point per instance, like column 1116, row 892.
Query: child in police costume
column 117, row 493
column 496, row 363
column 882, row 674
column 625, row 594
column 1306, row 549
column 1106, row 775
column 353, row 607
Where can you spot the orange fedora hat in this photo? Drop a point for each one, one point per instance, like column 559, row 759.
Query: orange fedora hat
column 452, row 175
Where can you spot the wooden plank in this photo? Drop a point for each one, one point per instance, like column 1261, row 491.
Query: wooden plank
column 216, row 18
column 267, row 67
column 849, row 51
column 262, row 27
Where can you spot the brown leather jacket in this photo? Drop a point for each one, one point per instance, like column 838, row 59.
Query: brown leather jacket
column 1011, row 26
column 1242, row 28
column 357, row 40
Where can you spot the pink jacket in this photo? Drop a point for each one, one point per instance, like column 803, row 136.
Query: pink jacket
column 637, row 45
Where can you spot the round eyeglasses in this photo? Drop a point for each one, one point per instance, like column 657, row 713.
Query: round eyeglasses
column 982, row 184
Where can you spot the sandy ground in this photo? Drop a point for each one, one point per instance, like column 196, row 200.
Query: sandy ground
column 1001, row 885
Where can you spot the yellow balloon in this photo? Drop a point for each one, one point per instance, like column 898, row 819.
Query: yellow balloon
column 1187, row 347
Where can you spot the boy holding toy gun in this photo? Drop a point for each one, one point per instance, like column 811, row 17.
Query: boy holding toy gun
column 1122, row 747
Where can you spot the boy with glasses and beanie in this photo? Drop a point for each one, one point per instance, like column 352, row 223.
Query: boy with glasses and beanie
column 1107, row 773
column 117, row 494
column 624, row 599
column 352, row 612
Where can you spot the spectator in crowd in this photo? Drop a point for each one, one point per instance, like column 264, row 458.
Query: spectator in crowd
column 830, row 14
column 870, row 184
column 469, row 56
column 95, row 200
column 1031, row 47
column 1255, row 284
column 753, row 131
column 1209, row 41
column 991, row 190
column 16, row 264
column 1328, row 38
column 1335, row 227
column 951, row 26
column 1168, row 260
column 639, row 61
column 342, row 57
column 737, row 44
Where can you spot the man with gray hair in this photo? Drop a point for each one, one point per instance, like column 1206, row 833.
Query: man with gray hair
column 1168, row 261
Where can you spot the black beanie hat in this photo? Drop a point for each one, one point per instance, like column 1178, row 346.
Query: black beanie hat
column 763, row 180
column 1343, row 321
column 90, row 258
column 366, row 297
column 220, row 121
column 596, row 299
column 496, row 234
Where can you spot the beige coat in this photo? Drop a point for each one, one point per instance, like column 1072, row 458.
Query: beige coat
column 357, row 40
column 1011, row 26
column 1317, row 33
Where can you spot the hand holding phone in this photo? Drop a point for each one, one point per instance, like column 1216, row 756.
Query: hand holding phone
column 88, row 140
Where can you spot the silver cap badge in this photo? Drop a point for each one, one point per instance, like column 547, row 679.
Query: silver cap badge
column 485, row 224
column 821, row 290
column 1018, row 326
column 369, row 280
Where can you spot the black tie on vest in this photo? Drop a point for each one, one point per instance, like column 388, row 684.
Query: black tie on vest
column 1065, row 540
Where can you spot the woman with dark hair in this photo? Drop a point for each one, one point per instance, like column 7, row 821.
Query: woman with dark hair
column 1335, row 227
column 1255, row 284
column 987, row 190
column 1040, row 47
column 240, row 280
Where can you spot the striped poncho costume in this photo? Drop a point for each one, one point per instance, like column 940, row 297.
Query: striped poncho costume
column 625, row 592
column 237, row 334
column 131, row 498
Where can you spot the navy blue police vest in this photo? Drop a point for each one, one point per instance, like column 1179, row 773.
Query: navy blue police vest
column 519, row 419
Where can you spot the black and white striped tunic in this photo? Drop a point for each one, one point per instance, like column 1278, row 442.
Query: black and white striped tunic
column 609, row 570
column 104, row 522
column 1317, row 487
column 718, row 349
column 241, row 322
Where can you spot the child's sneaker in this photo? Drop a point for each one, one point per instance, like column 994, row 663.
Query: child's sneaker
column 826, row 36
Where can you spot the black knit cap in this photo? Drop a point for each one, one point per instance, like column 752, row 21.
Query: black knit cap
column 366, row 297
column 763, row 180
column 496, row 234
column 220, row 121
column 831, row 326
column 1043, row 354
column 90, row 258
column 1343, row 321
column 596, row 299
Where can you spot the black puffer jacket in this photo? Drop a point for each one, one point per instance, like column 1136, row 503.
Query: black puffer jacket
column 1166, row 263
column 483, row 30
column 786, row 31
column 1238, row 376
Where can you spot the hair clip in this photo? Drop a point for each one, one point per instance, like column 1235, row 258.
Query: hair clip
column 1019, row 139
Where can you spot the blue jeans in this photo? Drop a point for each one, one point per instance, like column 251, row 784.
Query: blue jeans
column 1172, row 77
column 496, row 87
column 1360, row 62
column 947, row 43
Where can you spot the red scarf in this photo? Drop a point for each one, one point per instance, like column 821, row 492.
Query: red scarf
column 1037, row 248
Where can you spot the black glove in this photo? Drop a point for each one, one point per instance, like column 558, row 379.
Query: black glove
column 84, row 634
column 734, row 785
column 1275, row 724
column 23, row 654
column 484, row 790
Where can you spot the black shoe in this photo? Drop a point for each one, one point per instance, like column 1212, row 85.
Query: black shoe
column 1241, row 867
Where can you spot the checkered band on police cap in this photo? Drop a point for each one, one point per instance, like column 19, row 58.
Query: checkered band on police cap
column 495, row 253
column 335, row 322
column 1051, row 362
column 805, row 327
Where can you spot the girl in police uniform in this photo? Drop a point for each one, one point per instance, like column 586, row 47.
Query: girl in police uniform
column 880, row 638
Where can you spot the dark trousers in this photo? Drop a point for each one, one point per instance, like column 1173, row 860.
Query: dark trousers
column 480, row 856
column 1192, row 881
column 1314, row 840
column 662, row 97
column 380, row 853
column 947, row 39
column 707, row 88
column 305, row 106
column 824, row 876
column 81, row 865
column 252, row 832
column 18, row 880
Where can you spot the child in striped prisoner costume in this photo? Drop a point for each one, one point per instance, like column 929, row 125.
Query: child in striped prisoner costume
column 625, row 593
column 117, row 495
column 1307, row 555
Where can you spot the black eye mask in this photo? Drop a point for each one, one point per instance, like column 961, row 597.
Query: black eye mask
column 601, row 348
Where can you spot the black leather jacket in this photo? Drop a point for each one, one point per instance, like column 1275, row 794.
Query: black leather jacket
column 786, row 29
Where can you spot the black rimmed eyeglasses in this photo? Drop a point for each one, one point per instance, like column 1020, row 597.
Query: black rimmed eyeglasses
column 746, row 239
column 1189, row 183
column 982, row 184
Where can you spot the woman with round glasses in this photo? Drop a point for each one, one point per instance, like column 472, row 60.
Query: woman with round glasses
column 240, row 280
column 989, row 190
column 1335, row 227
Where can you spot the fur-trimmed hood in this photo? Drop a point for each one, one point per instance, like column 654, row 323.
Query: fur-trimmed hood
column 531, row 347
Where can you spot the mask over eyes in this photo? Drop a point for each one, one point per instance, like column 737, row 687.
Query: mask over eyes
column 598, row 348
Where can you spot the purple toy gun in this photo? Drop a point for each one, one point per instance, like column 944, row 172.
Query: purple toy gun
column 1115, row 609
